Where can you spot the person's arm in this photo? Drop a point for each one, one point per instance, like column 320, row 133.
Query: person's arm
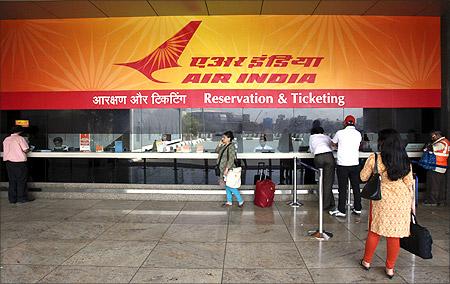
column 219, row 147
column 335, row 140
column 310, row 144
column 231, row 156
column 367, row 171
column 329, row 141
column 360, row 142
column 24, row 145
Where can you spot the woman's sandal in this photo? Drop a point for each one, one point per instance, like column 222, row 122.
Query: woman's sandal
column 390, row 276
column 363, row 266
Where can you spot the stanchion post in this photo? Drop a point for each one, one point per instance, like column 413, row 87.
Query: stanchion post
column 320, row 234
column 349, row 194
column 320, row 200
column 294, row 196
column 294, row 202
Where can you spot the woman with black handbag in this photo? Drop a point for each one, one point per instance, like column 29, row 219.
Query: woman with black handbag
column 225, row 164
column 389, row 216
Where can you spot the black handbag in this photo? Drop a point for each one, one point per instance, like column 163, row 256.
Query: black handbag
column 216, row 168
column 419, row 242
column 372, row 189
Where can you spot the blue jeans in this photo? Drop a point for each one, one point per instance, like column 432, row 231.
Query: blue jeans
column 236, row 193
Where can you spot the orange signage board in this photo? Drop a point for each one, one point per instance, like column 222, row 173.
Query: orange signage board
column 23, row 123
column 229, row 61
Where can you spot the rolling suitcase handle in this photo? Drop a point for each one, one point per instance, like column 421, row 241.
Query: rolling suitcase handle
column 260, row 174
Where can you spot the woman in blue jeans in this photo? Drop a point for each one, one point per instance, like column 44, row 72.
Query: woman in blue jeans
column 225, row 161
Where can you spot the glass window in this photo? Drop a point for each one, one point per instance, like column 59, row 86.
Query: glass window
column 256, row 130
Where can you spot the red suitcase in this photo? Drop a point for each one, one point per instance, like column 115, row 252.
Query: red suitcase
column 264, row 193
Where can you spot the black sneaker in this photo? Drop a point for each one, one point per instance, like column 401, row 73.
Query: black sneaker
column 357, row 212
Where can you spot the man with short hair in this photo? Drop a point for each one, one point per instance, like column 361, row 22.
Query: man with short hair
column 15, row 149
column 347, row 141
column 59, row 147
column 440, row 146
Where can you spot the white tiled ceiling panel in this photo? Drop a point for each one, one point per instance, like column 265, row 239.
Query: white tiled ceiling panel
column 282, row 7
column 48, row 9
column 123, row 8
column 223, row 7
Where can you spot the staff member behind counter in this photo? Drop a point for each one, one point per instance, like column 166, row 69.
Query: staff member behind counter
column 58, row 145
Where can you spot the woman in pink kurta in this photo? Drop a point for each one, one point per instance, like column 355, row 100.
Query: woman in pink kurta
column 389, row 217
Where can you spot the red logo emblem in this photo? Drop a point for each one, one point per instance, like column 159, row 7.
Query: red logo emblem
column 167, row 54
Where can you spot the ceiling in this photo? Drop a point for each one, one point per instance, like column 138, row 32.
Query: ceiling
column 17, row 9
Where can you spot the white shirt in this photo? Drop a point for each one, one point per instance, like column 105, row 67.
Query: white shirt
column 348, row 140
column 319, row 143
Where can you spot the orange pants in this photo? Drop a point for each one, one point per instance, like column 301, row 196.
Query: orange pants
column 393, row 246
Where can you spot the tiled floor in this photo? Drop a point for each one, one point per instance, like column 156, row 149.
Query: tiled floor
column 199, row 242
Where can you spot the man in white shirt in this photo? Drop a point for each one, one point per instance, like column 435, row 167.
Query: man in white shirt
column 348, row 141
column 263, row 147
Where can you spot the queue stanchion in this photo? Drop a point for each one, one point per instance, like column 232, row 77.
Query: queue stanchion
column 320, row 234
column 302, row 175
column 349, row 195
column 295, row 203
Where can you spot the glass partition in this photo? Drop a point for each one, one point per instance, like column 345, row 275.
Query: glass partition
column 192, row 130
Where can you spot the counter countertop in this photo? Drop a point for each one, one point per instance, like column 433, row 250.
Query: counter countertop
column 192, row 156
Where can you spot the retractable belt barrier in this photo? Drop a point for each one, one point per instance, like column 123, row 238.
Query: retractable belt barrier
column 319, row 234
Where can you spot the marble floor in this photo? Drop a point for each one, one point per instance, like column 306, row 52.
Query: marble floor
column 103, row 241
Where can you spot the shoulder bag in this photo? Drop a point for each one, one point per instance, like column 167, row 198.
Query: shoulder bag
column 372, row 189
column 419, row 242
column 233, row 178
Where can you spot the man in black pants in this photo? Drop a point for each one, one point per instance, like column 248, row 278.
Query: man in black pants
column 15, row 148
column 348, row 140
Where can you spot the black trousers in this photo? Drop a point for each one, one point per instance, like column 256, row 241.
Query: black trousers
column 326, row 162
column 18, row 176
column 435, row 187
column 344, row 173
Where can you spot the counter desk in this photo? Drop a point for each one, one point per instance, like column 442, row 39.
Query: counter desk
column 141, row 159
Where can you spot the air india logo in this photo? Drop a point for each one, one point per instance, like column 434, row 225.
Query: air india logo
column 168, row 54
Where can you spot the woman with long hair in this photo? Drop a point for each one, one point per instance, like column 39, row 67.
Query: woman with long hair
column 389, row 217
column 226, row 162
